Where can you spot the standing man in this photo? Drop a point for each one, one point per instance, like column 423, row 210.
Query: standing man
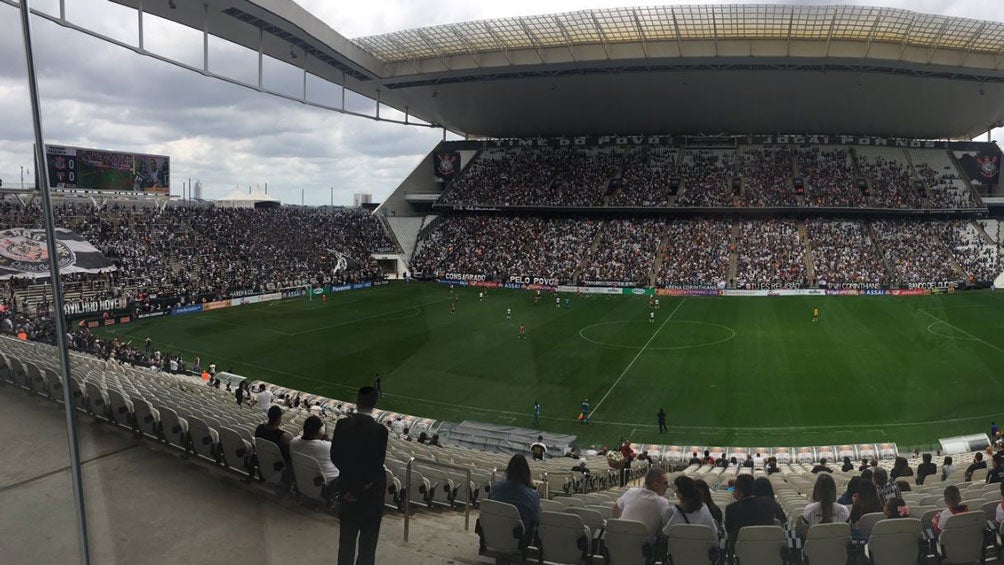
column 584, row 416
column 358, row 450
column 377, row 384
column 662, row 421
column 536, row 413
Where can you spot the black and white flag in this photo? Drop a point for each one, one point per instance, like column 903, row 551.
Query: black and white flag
column 23, row 253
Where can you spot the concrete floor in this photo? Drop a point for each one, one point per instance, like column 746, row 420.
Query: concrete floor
column 146, row 503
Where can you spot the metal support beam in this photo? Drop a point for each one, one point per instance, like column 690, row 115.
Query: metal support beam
column 305, row 75
column 42, row 179
column 261, row 56
column 205, row 38
column 139, row 23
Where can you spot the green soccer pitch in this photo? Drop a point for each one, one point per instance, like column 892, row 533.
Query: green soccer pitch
column 728, row 371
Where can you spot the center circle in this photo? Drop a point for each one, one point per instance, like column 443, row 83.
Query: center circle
column 702, row 334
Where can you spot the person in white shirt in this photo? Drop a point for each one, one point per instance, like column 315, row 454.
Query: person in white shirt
column 314, row 443
column 824, row 508
column 397, row 426
column 646, row 505
column 264, row 398
column 690, row 507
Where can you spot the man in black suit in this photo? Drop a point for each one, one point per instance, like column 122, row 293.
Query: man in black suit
column 747, row 510
column 358, row 449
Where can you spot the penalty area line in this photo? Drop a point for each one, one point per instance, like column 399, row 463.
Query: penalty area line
column 631, row 364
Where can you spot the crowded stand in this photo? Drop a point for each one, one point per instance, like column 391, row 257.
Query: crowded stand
column 500, row 246
column 624, row 251
column 192, row 253
column 980, row 258
column 770, row 252
column 645, row 178
column 945, row 187
column 914, row 252
column 842, row 252
column 888, row 175
column 696, row 252
column 828, row 173
column 767, row 177
column 706, row 178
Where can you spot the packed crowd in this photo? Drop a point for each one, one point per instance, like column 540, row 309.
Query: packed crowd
column 625, row 251
column 769, row 252
column 889, row 179
column 645, row 178
column 696, row 252
column 706, row 178
column 842, row 252
column 767, row 177
column 914, row 252
column 829, row 178
column 207, row 253
column 501, row 246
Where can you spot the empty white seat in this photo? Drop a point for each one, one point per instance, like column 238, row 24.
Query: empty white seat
column 826, row 544
column 627, row 542
column 868, row 521
column 120, row 407
column 271, row 464
column 309, row 478
column 690, row 543
column 174, row 427
column 235, row 449
column 961, row 538
column 760, row 545
column 205, row 440
column 501, row 530
column 894, row 542
column 563, row 538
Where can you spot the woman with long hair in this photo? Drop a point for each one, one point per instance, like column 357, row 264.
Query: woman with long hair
column 517, row 489
column 852, row 488
column 763, row 488
column 824, row 508
column 690, row 507
column 716, row 512
column 901, row 468
column 865, row 501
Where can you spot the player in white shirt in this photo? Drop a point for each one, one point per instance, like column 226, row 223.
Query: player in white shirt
column 508, row 313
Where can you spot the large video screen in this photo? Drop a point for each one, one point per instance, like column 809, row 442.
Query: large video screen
column 93, row 169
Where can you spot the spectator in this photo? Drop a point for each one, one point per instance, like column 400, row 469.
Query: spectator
column 271, row 431
column 824, row 508
column 764, row 489
column 646, row 504
column 821, row 467
column 900, row 468
column 866, row 501
column 716, row 512
column 690, row 507
column 852, row 488
column 953, row 505
column 847, row 466
column 886, row 487
column 314, row 443
column 896, row 508
column 947, row 467
column 747, row 510
column 978, row 463
column 772, row 465
column 926, row 469
column 538, row 449
column 995, row 474
column 999, row 512
column 358, row 450
column 517, row 489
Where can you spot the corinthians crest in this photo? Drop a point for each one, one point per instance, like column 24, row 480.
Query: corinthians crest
column 25, row 250
column 446, row 164
column 988, row 165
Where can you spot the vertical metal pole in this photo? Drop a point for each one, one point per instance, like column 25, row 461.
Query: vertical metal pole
column 139, row 21
column 41, row 173
column 304, row 99
column 260, row 57
column 343, row 91
column 407, row 496
column 378, row 104
column 332, row 197
column 62, row 9
column 205, row 38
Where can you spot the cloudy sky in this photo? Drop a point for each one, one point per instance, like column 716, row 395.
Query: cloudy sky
column 97, row 95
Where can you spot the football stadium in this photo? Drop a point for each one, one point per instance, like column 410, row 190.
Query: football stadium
column 675, row 279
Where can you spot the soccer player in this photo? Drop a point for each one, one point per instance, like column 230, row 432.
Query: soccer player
column 656, row 303
column 453, row 308
column 815, row 314
column 536, row 299
column 508, row 313
column 481, row 296
column 557, row 301
column 376, row 384
column 651, row 302
column 584, row 416
column 522, row 332
column 324, row 299
column 536, row 413
column 651, row 317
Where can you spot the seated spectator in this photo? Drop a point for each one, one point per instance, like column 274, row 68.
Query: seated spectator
column 824, row 508
column 517, row 489
column 538, row 449
column 996, row 473
column 847, row 466
column 273, row 433
column 694, row 459
column 764, row 489
column 865, row 501
column 821, row 467
column 999, row 513
column 646, row 504
column 852, row 488
column 716, row 512
column 947, row 467
column 887, row 488
column 747, row 510
column 978, row 463
column 926, row 469
column 690, row 507
column 901, row 468
column 896, row 508
column 314, row 443
column 423, row 438
column 772, row 465
column 953, row 504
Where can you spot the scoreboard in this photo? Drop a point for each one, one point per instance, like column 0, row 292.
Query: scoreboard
column 78, row 168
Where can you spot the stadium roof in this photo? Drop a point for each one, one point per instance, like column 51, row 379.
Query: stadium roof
column 663, row 69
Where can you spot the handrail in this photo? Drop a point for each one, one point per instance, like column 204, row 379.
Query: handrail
column 407, row 490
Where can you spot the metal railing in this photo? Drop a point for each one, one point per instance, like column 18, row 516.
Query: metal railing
column 434, row 463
